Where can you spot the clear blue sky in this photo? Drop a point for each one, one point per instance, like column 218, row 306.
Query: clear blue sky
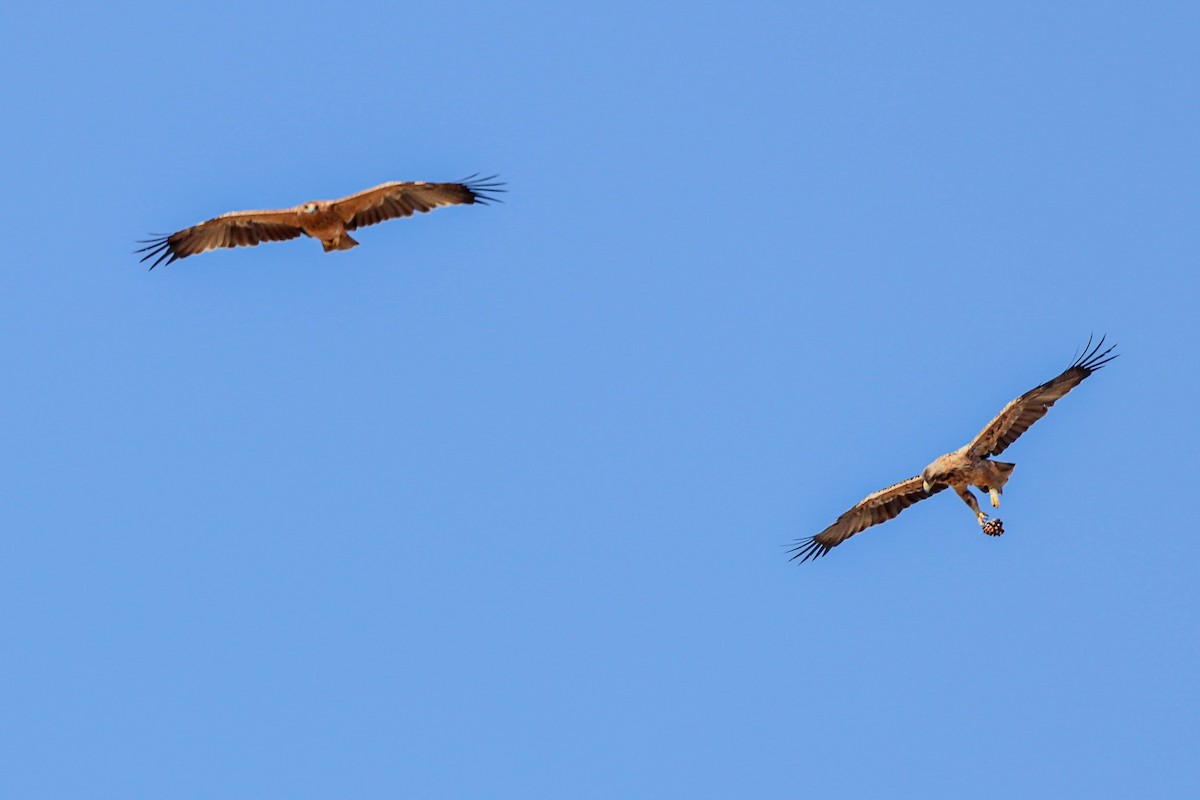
column 496, row 504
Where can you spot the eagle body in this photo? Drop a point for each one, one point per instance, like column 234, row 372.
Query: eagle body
column 959, row 470
column 325, row 220
column 320, row 220
column 969, row 466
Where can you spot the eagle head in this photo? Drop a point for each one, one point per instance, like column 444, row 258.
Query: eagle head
column 309, row 208
column 927, row 480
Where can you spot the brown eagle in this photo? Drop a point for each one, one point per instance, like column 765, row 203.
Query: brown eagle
column 966, row 467
column 327, row 220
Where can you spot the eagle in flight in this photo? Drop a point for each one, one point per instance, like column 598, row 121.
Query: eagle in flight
column 327, row 220
column 968, row 466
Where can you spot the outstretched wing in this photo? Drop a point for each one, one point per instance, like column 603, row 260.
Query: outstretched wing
column 236, row 229
column 871, row 510
column 1027, row 409
column 403, row 199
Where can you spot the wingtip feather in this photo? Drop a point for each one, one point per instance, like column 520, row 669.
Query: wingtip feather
column 159, row 249
column 1093, row 358
column 809, row 548
column 483, row 190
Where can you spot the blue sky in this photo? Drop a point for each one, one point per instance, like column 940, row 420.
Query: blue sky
column 496, row 504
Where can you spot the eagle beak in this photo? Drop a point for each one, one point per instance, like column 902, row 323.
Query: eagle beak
column 926, row 486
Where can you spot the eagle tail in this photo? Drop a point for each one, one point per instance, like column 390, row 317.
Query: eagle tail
column 343, row 242
column 1004, row 471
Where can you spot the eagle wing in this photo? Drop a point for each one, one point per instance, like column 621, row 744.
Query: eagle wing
column 1020, row 414
column 235, row 229
column 403, row 199
column 871, row 510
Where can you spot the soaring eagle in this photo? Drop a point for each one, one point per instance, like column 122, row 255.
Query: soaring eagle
column 327, row 220
column 968, row 466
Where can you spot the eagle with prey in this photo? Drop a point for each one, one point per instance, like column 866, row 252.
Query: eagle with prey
column 970, row 465
column 326, row 220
